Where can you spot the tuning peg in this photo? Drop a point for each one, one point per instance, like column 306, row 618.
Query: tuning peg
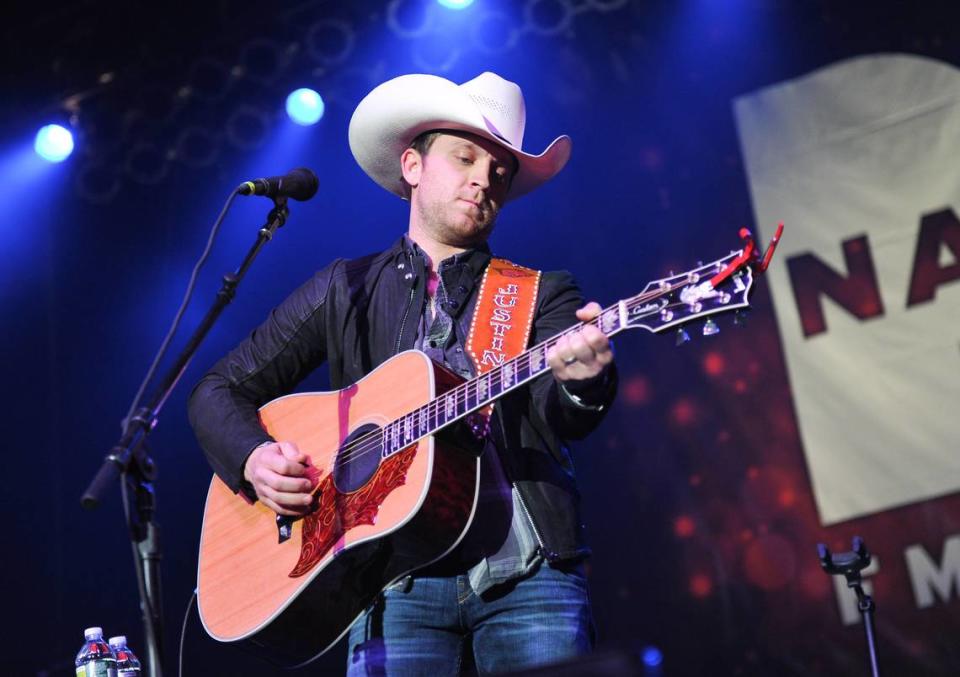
column 682, row 336
column 710, row 327
column 740, row 317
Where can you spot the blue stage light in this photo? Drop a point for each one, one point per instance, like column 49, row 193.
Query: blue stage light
column 652, row 657
column 305, row 106
column 455, row 4
column 53, row 143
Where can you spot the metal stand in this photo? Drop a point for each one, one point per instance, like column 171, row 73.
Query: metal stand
column 130, row 459
column 850, row 564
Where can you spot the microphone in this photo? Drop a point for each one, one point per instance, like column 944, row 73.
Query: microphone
column 299, row 184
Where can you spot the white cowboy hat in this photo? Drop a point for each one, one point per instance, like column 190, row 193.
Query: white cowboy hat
column 390, row 117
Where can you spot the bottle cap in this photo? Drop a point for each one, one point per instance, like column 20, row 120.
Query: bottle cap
column 92, row 633
column 119, row 640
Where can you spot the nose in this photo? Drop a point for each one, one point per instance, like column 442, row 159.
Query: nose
column 480, row 174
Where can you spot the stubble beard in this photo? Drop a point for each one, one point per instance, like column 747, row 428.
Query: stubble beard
column 446, row 224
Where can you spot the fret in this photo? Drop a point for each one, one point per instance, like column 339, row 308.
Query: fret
column 507, row 371
column 483, row 387
column 422, row 428
column 450, row 405
column 523, row 369
column 407, row 432
column 470, row 395
column 394, row 437
column 609, row 320
column 495, row 386
column 536, row 358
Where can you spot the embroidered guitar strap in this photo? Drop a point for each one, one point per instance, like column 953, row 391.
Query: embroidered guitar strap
column 502, row 319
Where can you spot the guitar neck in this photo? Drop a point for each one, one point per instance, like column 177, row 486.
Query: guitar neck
column 485, row 389
column 720, row 286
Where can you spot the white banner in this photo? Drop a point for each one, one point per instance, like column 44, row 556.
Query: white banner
column 861, row 161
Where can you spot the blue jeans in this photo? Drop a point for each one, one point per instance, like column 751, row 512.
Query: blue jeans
column 421, row 628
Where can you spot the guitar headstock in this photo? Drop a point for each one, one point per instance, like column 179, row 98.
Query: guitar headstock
column 677, row 299
column 721, row 286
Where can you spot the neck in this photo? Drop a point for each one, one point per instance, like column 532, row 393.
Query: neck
column 436, row 251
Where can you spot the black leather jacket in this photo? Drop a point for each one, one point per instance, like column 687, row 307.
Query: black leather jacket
column 356, row 314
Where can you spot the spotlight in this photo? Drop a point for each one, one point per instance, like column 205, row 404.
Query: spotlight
column 54, row 143
column 455, row 4
column 305, row 106
column 652, row 657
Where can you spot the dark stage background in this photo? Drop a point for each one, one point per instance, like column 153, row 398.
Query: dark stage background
column 696, row 493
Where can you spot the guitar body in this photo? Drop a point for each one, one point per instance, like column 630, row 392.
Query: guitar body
column 374, row 521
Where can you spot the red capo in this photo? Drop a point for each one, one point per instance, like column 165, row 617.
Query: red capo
column 750, row 256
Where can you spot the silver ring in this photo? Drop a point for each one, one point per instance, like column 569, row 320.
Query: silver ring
column 569, row 360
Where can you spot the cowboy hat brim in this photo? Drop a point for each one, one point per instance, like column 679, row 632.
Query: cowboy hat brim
column 390, row 117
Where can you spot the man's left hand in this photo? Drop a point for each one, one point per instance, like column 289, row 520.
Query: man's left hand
column 581, row 355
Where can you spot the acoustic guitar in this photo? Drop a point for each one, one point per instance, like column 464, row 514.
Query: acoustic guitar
column 391, row 497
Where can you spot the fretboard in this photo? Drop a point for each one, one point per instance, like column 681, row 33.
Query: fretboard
column 482, row 390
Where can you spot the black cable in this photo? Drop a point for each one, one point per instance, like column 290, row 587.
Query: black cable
column 183, row 307
column 183, row 633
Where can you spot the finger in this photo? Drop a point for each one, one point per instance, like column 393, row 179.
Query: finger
column 267, row 497
column 558, row 352
column 595, row 338
column 291, row 485
column 291, row 452
column 282, row 466
column 289, row 501
column 580, row 349
column 589, row 311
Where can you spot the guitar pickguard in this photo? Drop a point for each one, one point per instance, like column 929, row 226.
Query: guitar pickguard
column 337, row 513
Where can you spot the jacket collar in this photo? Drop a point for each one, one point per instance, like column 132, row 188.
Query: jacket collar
column 475, row 259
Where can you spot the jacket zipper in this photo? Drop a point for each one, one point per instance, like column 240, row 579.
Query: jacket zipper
column 550, row 555
column 403, row 320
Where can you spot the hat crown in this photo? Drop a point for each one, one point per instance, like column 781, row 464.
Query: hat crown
column 501, row 104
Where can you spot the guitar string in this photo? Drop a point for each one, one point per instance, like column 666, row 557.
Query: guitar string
column 461, row 393
column 377, row 439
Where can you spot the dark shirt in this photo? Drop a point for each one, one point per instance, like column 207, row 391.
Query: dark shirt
column 500, row 544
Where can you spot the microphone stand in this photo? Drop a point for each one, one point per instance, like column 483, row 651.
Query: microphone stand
column 129, row 457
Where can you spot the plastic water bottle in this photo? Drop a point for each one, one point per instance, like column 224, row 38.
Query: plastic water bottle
column 127, row 663
column 95, row 659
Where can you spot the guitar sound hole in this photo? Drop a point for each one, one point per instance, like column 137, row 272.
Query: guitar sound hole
column 358, row 459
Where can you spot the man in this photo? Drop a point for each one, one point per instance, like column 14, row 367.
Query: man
column 513, row 591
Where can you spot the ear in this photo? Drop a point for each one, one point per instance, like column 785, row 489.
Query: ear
column 411, row 164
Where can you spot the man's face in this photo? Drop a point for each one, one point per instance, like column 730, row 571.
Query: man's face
column 459, row 187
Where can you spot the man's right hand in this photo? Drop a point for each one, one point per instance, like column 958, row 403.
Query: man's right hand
column 282, row 476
